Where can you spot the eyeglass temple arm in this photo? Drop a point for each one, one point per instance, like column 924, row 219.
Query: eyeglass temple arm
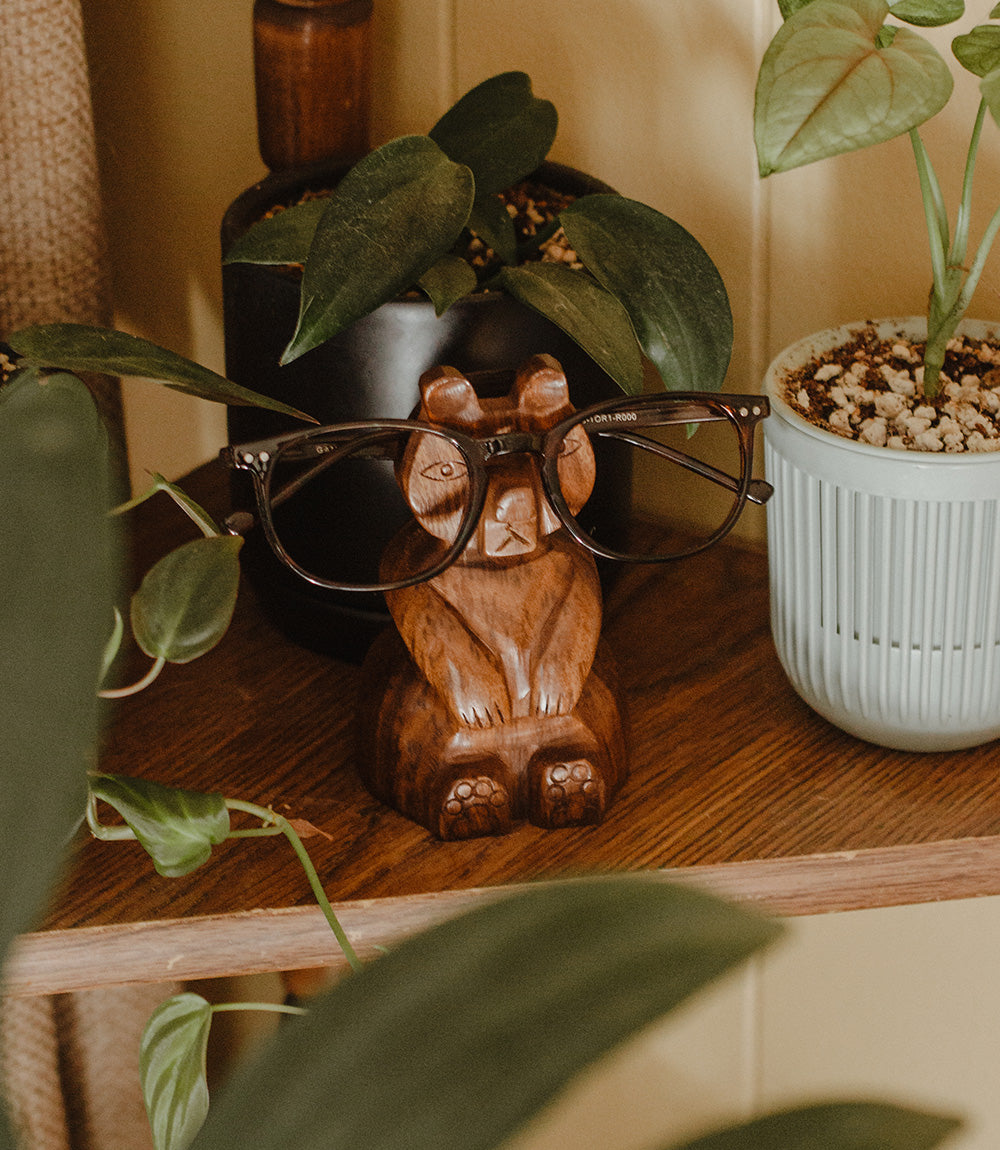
column 758, row 491
column 239, row 522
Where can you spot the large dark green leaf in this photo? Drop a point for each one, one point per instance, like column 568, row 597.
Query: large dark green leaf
column 978, row 51
column 459, row 1036
column 666, row 281
column 585, row 312
column 834, row 1126
column 185, row 602
column 390, row 218
column 283, row 238
column 177, row 828
column 499, row 129
column 172, row 1059
column 56, row 594
column 79, row 347
column 825, row 88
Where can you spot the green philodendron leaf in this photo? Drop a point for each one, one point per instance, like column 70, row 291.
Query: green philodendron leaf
column 172, row 1058
column 492, row 223
column 461, row 1034
column 989, row 87
column 978, row 51
column 448, row 281
column 928, row 13
column 283, row 238
column 389, row 220
column 80, row 347
column 834, row 1126
column 499, row 129
column 185, row 603
column 177, row 828
column 672, row 291
column 824, row 88
column 584, row 311
column 57, row 575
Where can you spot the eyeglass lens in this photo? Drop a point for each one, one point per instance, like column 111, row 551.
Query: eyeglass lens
column 685, row 483
column 337, row 507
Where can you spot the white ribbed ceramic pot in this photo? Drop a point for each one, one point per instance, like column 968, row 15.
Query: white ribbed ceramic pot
column 884, row 573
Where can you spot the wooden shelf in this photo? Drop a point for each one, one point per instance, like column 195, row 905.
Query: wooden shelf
column 735, row 784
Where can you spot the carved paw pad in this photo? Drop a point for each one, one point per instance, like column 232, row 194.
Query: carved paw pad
column 568, row 793
column 473, row 807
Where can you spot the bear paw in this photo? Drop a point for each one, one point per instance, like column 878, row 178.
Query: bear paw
column 567, row 792
column 475, row 806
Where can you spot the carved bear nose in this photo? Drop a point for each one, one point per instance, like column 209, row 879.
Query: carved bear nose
column 515, row 506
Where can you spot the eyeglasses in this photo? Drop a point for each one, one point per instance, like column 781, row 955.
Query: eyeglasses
column 335, row 502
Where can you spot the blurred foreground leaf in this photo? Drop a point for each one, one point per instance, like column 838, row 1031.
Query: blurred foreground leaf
column 460, row 1035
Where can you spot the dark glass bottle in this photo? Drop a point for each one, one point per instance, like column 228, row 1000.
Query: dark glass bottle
column 312, row 62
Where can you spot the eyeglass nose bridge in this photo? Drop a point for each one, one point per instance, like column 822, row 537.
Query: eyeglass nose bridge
column 511, row 443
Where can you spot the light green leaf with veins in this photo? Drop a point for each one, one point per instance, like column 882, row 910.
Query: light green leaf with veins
column 825, row 87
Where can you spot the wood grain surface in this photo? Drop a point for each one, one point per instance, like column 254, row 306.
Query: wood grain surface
column 735, row 783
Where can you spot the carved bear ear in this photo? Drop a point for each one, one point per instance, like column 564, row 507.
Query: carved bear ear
column 540, row 387
column 448, row 397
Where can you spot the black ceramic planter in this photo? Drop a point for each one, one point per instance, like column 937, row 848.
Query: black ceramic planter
column 371, row 370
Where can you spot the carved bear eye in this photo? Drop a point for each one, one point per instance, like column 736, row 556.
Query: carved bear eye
column 445, row 471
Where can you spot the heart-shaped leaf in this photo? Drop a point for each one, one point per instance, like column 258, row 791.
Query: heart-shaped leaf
column 177, row 828
column 389, row 219
column 448, row 281
column 172, row 1057
column 584, row 311
column 185, row 603
column 56, row 587
column 825, row 87
column 672, row 291
column 283, row 238
column 80, row 347
column 834, row 1126
column 499, row 129
column 978, row 51
column 928, row 13
column 504, row 1005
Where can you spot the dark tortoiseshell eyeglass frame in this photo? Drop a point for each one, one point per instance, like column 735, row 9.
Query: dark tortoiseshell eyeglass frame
column 621, row 420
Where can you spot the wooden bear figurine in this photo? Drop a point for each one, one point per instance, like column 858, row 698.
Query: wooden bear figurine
column 494, row 700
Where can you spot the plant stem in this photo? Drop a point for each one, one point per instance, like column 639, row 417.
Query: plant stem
column 135, row 688
column 953, row 289
column 274, row 1007
column 117, row 833
column 934, row 211
column 269, row 816
column 961, row 242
